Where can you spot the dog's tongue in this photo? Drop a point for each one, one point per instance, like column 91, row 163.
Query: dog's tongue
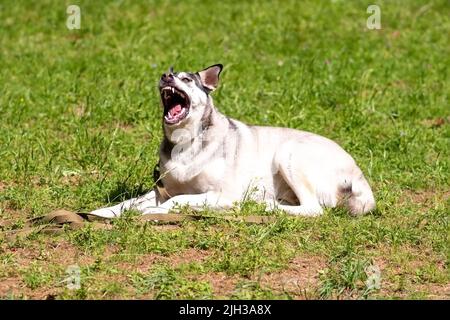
column 176, row 109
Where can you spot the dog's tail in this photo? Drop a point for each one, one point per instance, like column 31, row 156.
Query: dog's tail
column 358, row 196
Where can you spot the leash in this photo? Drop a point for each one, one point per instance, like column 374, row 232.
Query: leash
column 57, row 221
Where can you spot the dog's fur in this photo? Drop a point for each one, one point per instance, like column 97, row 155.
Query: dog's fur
column 209, row 159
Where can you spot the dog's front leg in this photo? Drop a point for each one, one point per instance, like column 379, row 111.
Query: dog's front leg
column 194, row 201
column 141, row 203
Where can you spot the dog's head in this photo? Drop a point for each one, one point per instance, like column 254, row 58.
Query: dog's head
column 184, row 95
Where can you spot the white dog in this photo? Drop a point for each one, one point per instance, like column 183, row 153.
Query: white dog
column 209, row 159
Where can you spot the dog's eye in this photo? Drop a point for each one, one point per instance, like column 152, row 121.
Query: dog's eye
column 186, row 80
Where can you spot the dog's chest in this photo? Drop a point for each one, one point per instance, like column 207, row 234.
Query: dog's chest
column 193, row 177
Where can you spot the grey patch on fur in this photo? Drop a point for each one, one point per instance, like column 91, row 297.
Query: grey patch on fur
column 231, row 124
column 166, row 147
column 207, row 120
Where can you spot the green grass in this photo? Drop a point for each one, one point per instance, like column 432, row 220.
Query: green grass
column 80, row 128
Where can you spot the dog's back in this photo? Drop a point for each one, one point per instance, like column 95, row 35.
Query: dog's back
column 326, row 170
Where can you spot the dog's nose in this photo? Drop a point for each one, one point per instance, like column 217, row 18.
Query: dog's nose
column 167, row 77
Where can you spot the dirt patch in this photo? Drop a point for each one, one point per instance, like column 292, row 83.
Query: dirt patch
column 187, row 256
column 55, row 253
column 3, row 186
column 10, row 211
column 71, row 179
column 435, row 122
column 80, row 110
column 395, row 34
column 434, row 291
column 222, row 284
column 298, row 279
column 10, row 286
column 426, row 198
column 142, row 263
column 15, row 288
column 51, row 256
column 400, row 270
column 407, row 258
column 400, row 84
column 125, row 127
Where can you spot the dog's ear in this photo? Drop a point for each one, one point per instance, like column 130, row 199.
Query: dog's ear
column 210, row 76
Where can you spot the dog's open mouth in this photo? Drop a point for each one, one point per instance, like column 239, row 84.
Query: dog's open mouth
column 176, row 104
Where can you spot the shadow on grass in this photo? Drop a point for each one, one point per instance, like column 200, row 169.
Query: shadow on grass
column 123, row 192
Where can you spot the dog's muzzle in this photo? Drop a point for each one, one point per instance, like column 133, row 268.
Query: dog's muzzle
column 176, row 104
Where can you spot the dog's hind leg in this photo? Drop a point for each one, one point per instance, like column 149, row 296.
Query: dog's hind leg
column 309, row 204
column 140, row 204
column 300, row 185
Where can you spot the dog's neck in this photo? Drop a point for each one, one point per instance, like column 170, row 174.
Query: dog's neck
column 200, row 139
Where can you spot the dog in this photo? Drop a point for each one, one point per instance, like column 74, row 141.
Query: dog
column 209, row 159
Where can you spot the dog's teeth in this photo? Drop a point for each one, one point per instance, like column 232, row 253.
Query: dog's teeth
column 173, row 90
